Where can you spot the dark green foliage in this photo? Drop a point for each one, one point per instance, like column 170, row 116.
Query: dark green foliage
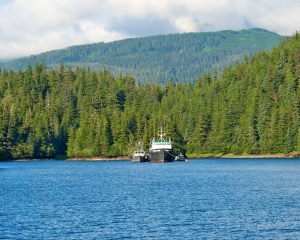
column 252, row 108
column 180, row 57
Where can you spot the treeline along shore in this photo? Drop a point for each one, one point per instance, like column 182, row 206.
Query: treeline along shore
column 252, row 108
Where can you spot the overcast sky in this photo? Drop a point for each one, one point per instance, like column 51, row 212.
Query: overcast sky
column 34, row 26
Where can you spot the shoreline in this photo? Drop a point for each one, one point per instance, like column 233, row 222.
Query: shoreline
column 277, row 155
column 127, row 158
column 258, row 156
column 120, row 158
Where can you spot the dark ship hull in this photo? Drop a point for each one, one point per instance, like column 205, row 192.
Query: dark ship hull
column 161, row 155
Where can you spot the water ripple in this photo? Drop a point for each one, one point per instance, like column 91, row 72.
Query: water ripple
column 214, row 199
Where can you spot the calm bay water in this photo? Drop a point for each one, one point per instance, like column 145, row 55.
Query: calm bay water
column 211, row 198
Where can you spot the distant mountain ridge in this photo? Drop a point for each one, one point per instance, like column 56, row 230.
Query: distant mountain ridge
column 180, row 57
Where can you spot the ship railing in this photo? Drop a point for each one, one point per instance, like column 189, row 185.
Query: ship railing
column 161, row 143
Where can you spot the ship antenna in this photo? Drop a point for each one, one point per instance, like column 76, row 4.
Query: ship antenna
column 161, row 134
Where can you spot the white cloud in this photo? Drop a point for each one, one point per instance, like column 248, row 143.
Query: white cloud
column 187, row 24
column 34, row 26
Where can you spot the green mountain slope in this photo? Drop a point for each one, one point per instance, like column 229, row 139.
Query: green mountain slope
column 253, row 107
column 180, row 57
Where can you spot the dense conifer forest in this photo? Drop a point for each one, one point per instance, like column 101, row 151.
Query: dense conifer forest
column 253, row 107
column 178, row 57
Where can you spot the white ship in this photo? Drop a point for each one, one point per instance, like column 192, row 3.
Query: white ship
column 161, row 149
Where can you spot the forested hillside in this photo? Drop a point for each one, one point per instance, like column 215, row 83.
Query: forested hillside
column 178, row 57
column 254, row 107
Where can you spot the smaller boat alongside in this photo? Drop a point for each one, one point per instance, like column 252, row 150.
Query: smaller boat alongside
column 180, row 157
column 139, row 154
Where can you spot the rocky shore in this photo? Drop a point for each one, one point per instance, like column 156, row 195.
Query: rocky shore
column 276, row 155
column 201, row 156
column 118, row 158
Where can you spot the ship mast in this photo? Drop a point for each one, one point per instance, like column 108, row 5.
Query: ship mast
column 161, row 134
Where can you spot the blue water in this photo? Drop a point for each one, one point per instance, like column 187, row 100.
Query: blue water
column 212, row 198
